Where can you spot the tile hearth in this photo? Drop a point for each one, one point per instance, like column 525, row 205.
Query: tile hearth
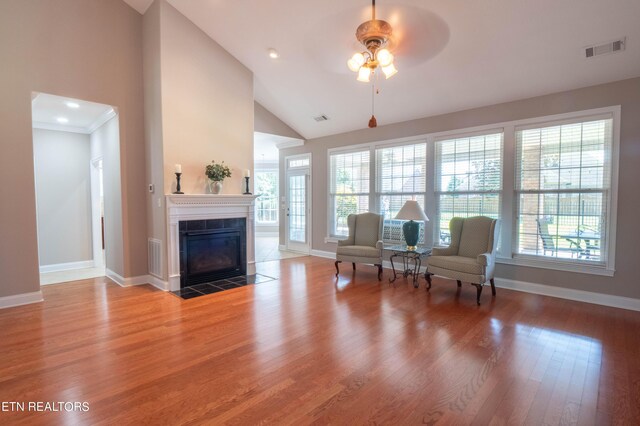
column 220, row 285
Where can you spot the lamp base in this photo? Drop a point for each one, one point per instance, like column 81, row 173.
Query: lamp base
column 412, row 248
column 411, row 231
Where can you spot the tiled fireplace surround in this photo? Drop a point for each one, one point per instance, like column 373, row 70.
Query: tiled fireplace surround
column 201, row 207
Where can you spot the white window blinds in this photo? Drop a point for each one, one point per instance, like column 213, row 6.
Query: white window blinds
column 349, row 188
column 563, row 181
column 468, row 179
column 400, row 176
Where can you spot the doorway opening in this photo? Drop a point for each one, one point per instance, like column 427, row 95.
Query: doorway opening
column 270, row 207
column 70, row 138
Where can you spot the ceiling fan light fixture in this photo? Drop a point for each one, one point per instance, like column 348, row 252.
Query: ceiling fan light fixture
column 364, row 74
column 373, row 35
column 359, row 59
column 390, row 70
column 384, row 57
column 353, row 65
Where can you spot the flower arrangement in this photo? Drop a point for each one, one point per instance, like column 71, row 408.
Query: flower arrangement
column 217, row 172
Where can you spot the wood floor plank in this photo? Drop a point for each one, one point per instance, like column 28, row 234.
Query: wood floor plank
column 307, row 348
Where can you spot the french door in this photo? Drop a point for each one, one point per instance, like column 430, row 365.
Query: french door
column 298, row 206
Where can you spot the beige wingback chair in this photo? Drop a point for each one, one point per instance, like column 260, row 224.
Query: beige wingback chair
column 471, row 255
column 364, row 243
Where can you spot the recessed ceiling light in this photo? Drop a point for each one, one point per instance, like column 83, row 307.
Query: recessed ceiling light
column 273, row 54
column 62, row 120
column 73, row 105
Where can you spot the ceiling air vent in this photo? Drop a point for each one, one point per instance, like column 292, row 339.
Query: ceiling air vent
column 603, row 49
column 321, row 118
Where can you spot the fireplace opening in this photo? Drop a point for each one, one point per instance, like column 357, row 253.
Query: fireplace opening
column 212, row 250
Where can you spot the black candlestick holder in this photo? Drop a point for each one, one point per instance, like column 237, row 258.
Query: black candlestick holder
column 178, row 184
column 246, row 182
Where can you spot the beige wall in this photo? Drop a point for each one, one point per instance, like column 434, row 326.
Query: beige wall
column 198, row 107
column 625, row 93
column 156, row 227
column 89, row 50
column 105, row 142
column 63, row 196
column 266, row 122
column 207, row 106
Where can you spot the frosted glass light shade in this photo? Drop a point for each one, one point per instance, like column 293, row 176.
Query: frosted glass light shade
column 384, row 57
column 353, row 65
column 364, row 74
column 389, row 71
column 411, row 211
column 358, row 58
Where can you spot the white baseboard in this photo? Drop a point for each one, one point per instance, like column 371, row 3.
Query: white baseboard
column 126, row 282
column 139, row 280
column 542, row 289
column 282, row 247
column 20, row 299
column 325, row 254
column 67, row 266
column 158, row 282
column 570, row 294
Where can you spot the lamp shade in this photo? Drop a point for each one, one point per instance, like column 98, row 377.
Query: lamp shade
column 411, row 211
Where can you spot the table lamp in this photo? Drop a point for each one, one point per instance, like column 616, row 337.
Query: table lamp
column 411, row 211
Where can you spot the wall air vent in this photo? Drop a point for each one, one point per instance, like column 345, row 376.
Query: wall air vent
column 321, row 118
column 605, row 48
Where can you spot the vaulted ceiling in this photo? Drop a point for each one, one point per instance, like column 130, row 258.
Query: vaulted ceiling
column 451, row 54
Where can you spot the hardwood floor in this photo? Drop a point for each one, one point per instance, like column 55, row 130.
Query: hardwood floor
column 312, row 349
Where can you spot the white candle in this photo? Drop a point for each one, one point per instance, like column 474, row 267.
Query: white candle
column 178, row 168
column 247, row 173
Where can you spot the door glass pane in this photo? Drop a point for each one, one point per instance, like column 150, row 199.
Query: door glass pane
column 297, row 208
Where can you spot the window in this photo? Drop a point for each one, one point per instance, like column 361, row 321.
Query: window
column 266, row 187
column 468, row 179
column 551, row 180
column 400, row 176
column 349, row 188
column 299, row 162
column 563, row 189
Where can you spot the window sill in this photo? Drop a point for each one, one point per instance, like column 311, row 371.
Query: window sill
column 582, row 268
column 333, row 239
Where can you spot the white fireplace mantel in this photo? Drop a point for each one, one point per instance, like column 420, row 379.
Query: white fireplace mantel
column 206, row 206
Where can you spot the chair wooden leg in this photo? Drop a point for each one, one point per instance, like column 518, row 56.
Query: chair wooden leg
column 493, row 286
column 337, row 269
column 459, row 283
column 479, row 288
column 354, row 266
column 379, row 271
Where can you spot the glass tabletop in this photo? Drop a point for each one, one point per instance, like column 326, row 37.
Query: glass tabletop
column 403, row 249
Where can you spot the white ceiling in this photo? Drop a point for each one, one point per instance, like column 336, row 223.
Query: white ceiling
column 46, row 109
column 451, row 54
column 139, row 5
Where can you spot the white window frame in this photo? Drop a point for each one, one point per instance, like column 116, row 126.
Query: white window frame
column 269, row 169
column 508, row 206
column 377, row 194
column 330, row 202
column 438, row 192
column 607, row 266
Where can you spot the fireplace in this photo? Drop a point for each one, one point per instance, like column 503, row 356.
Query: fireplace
column 212, row 249
column 203, row 212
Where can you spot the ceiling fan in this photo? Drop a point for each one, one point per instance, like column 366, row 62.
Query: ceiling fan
column 374, row 35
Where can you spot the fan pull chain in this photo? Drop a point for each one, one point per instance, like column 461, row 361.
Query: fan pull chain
column 372, row 121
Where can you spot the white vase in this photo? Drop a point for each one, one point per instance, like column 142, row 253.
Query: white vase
column 215, row 187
